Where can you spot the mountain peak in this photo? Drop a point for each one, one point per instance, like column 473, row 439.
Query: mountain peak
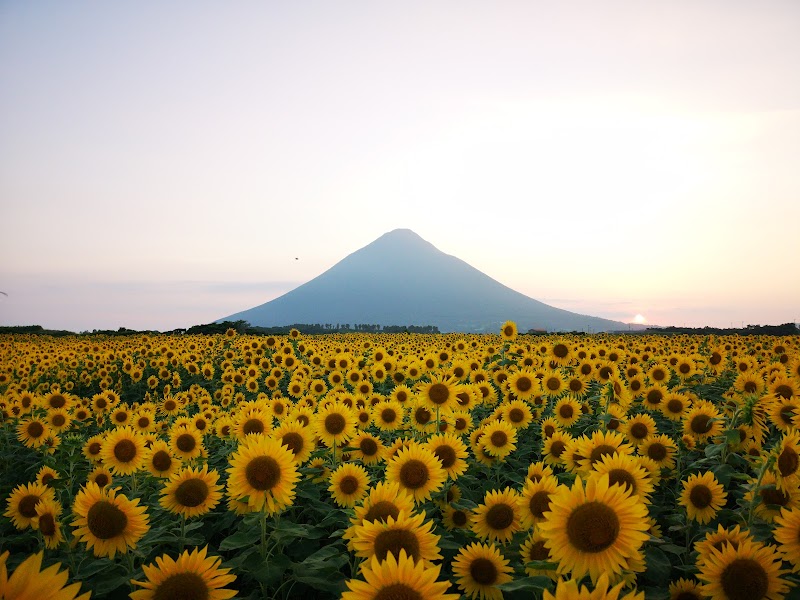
column 402, row 279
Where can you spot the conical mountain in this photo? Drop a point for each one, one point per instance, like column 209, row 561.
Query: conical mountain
column 401, row 279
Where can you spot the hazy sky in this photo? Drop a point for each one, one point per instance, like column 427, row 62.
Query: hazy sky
column 162, row 164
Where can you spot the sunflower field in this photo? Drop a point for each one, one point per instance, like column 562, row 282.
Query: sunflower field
column 400, row 467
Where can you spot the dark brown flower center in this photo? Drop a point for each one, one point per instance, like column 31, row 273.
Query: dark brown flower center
column 539, row 504
column 700, row 496
column 654, row 397
column 335, row 423
column 380, row 511
column 483, row 571
column 566, row 411
column 94, row 448
column 397, row 591
column 639, row 431
column 623, row 478
column 701, row 424
column 182, row 586
column 391, row 541
column 772, row 495
column 263, row 473
column 27, row 506
column 35, row 429
column 161, row 460
column 294, row 441
column 186, row 442
column 601, row 451
column 524, row 383
column 560, row 350
column 499, row 439
column 414, row 474
column 368, row 447
column 125, row 451
column 788, row 462
column 102, row 480
column 348, row 485
column 745, row 579
column 538, row 551
column 106, row 521
column 439, row 393
column 500, row 516
column 784, row 391
column 553, row 384
column 657, row 451
column 422, row 415
column 47, row 524
column 557, row 448
column 192, row 492
column 388, row 415
column 58, row 420
column 446, row 454
column 459, row 518
column 592, row 527
column 251, row 426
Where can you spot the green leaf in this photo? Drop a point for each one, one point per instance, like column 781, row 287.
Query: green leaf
column 658, row 565
column 540, row 582
column 240, row 539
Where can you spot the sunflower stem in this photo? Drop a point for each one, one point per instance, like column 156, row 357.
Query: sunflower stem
column 183, row 532
column 756, row 496
column 263, row 534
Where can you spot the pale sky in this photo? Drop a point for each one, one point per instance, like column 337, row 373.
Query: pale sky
column 162, row 164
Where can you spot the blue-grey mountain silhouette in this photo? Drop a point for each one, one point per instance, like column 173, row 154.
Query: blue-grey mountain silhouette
column 401, row 279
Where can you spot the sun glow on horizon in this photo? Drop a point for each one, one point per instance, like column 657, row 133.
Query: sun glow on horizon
column 639, row 320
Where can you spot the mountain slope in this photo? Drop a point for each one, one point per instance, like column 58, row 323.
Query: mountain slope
column 401, row 279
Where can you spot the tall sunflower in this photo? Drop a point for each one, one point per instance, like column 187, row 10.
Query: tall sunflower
column 498, row 518
column 702, row 496
column 523, row 384
column 192, row 492
column 369, row 449
column 334, row 423
column 595, row 528
column 29, row 581
column 388, row 415
column 409, row 532
column 193, row 576
column 159, row 460
column 749, row 571
column 439, row 393
column 349, row 484
column 123, row 451
column 499, row 439
column 479, row 569
column 297, row 438
column 661, row 449
column 417, row 470
column 47, row 522
column 265, row 472
column 398, row 578
column 508, row 331
column 450, row 451
column 567, row 411
column 108, row 522
column 23, row 500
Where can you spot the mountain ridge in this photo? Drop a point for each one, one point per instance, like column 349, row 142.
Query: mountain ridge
column 401, row 278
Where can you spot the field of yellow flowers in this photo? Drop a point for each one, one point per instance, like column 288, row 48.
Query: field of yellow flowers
column 400, row 467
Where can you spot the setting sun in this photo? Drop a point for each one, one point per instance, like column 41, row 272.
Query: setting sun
column 639, row 320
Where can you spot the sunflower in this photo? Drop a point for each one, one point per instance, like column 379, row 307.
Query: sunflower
column 771, row 499
column 534, row 500
column 29, row 581
column 566, row 412
column 702, row 496
column 47, row 475
column 349, row 484
column 702, row 422
column 92, row 448
column 661, row 449
column 191, row 492
column 398, row 578
column 787, row 463
column 22, row 502
column 408, row 532
column 783, row 413
column 499, row 439
column 439, row 393
column 297, row 438
column 626, row 471
column 784, row 388
column 123, row 451
column 335, row 423
column 107, row 522
column 533, row 549
column 498, row 518
column 450, row 451
column 101, row 476
column 33, row 432
column 639, row 427
column 193, row 576
column 386, row 499
column 479, row 569
column 749, row 382
column 522, row 384
column 265, row 472
column 517, row 414
column 368, row 448
column 388, row 415
column 186, row 442
column 592, row 449
column 160, row 461
column 570, row 589
column 508, row 331
column 47, row 522
column 749, row 571
column 253, row 422
column 418, row 471
column 554, row 447
column 787, row 534
column 685, row 589
column 595, row 528
column 715, row 540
